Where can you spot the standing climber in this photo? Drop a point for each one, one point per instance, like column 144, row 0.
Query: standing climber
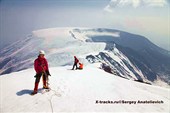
column 76, row 61
column 41, row 68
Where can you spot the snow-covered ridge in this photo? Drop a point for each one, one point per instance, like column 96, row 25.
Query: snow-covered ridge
column 61, row 44
column 58, row 44
column 117, row 63
column 78, row 33
column 78, row 91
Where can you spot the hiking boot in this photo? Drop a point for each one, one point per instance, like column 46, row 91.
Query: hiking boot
column 46, row 87
column 34, row 92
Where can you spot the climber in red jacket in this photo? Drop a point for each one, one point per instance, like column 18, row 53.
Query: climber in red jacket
column 41, row 68
column 76, row 61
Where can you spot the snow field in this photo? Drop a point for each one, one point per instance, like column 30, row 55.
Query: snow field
column 78, row 91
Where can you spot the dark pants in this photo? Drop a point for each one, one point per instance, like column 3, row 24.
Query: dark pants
column 38, row 77
column 37, row 80
column 75, row 64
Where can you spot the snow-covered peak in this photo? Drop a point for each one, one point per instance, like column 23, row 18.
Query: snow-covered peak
column 86, row 34
column 77, row 33
column 59, row 44
column 52, row 32
column 97, row 44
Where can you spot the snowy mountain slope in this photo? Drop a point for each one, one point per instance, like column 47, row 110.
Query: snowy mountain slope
column 79, row 91
column 57, row 43
column 152, row 60
column 61, row 44
column 115, row 62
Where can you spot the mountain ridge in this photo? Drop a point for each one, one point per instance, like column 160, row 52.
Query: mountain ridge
column 63, row 43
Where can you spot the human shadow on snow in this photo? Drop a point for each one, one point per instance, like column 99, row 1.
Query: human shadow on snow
column 24, row 92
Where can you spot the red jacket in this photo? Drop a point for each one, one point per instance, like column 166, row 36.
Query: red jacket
column 76, row 60
column 40, row 64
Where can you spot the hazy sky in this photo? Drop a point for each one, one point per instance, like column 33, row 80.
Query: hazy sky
column 149, row 18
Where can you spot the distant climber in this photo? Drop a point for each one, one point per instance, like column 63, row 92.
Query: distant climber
column 76, row 61
column 80, row 66
column 41, row 68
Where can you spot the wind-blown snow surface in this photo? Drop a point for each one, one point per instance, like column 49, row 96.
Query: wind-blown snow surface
column 78, row 91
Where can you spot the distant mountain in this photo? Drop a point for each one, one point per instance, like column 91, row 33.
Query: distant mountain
column 134, row 56
column 151, row 59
